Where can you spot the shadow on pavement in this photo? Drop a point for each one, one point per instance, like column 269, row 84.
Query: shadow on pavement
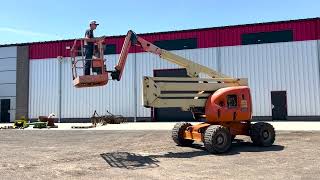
column 129, row 160
column 239, row 146
column 136, row 161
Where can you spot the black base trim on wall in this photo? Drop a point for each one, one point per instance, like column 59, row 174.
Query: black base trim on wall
column 289, row 118
column 87, row 120
column 149, row 119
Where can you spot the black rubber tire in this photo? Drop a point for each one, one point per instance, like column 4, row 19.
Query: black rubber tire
column 177, row 134
column 213, row 135
column 262, row 134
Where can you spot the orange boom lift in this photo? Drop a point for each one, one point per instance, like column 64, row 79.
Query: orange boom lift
column 223, row 103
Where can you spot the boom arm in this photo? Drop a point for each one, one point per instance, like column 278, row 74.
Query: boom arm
column 193, row 69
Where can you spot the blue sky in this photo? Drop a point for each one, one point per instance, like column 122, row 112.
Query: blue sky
column 43, row 20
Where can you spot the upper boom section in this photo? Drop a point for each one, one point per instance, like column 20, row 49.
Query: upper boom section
column 193, row 69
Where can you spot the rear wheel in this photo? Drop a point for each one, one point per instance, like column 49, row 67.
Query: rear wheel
column 217, row 139
column 177, row 134
column 262, row 134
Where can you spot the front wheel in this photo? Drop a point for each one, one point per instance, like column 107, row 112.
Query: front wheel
column 262, row 134
column 217, row 139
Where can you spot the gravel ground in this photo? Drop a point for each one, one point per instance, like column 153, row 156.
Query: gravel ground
column 76, row 154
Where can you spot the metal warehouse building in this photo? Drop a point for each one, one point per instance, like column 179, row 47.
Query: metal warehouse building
column 281, row 60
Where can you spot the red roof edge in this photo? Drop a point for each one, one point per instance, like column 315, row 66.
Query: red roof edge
column 304, row 29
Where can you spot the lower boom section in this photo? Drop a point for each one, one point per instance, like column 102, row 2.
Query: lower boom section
column 185, row 93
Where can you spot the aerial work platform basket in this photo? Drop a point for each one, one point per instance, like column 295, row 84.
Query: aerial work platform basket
column 98, row 71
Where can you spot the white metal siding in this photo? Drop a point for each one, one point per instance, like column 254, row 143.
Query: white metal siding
column 7, row 90
column 8, row 52
column 7, row 77
column 43, row 88
column 116, row 97
column 8, row 64
column 292, row 67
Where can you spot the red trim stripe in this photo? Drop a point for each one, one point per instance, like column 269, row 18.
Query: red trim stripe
column 307, row 29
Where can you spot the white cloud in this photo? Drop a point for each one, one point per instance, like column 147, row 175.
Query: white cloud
column 29, row 33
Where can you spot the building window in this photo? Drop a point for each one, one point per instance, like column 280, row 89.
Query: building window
column 177, row 44
column 232, row 101
column 267, row 37
column 110, row 49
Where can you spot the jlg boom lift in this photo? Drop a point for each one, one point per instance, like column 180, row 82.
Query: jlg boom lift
column 222, row 102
